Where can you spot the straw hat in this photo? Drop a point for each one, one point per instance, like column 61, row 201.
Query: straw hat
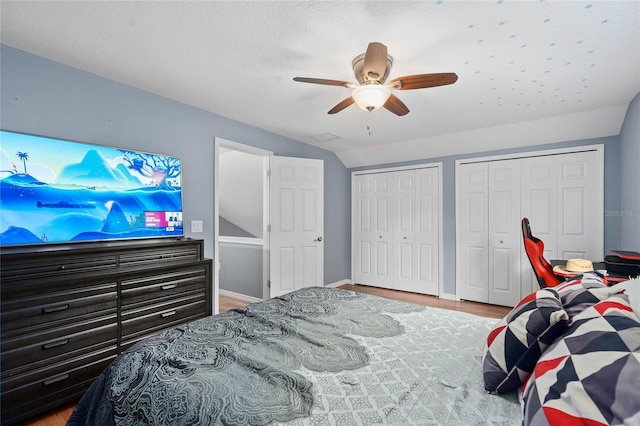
column 574, row 266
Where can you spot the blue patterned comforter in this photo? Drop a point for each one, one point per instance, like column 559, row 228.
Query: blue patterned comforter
column 315, row 356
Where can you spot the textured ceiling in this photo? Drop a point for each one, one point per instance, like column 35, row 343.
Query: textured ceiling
column 529, row 71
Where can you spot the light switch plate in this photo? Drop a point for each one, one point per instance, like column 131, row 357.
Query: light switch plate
column 196, row 226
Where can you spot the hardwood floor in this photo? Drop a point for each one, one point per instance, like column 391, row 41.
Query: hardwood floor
column 60, row 416
column 481, row 309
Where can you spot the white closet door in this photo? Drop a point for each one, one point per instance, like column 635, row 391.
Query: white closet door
column 396, row 235
column 560, row 196
column 578, row 211
column 472, row 277
column 371, row 214
column 505, row 237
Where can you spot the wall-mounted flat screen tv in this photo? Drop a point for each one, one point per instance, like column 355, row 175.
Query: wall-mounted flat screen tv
column 58, row 191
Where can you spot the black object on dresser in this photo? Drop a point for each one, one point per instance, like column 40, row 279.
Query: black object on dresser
column 68, row 310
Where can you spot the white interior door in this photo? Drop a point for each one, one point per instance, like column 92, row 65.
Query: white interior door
column 296, row 211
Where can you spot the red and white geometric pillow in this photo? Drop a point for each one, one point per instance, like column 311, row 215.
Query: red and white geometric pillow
column 590, row 376
column 516, row 343
column 583, row 291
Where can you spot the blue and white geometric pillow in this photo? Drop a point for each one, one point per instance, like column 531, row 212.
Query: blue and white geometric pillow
column 591, row 375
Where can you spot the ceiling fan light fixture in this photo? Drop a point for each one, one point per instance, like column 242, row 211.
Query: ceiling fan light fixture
column 371, row 97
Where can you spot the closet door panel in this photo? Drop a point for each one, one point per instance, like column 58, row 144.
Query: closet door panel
column 383, row 235
column 578, row 176
column 505, row 236
column 539, row 204
column 363, row 218
column 473, row 276
column 403, row 232
column 427, row 237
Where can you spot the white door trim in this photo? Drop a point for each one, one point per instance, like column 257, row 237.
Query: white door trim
column 224, row 143
column 598, row 148
column 437, row 165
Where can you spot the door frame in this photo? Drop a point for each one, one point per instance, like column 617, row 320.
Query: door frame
column 236, row 146
column 437, row 165
column 598, row 148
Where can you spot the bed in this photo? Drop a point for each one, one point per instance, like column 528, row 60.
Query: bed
column 316, row 356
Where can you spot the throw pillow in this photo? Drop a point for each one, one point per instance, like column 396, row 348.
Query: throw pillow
column 590, row 375
column 583, row 291
column 517, row 341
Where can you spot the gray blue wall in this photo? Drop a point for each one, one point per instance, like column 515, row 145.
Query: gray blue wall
column 241, row 269
column 43, row 97
column 629, row 214
column 46, row 98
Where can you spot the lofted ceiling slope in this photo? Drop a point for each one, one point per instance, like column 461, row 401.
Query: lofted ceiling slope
column 530, row 72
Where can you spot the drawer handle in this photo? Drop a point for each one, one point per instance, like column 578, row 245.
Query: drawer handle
column 169, row 286
column 56, row 379
column 58, row 308
column 55, row 344
column 168, row 314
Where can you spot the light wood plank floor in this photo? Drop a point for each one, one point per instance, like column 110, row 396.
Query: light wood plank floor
column 60, row 416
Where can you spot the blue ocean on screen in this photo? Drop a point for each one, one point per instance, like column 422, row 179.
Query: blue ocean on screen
column 54, row 191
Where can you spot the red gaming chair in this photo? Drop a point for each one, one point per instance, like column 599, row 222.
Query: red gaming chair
column 535, row 252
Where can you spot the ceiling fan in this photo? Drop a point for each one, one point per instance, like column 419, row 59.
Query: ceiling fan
column 371, row 70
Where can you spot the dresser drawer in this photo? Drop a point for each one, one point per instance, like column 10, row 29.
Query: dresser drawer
column 26, row 350
column 47, row 307
column 46, row 381
column 160, row 256
column 154, row 288
column 149, row 319
column 35, row 265
column 15, row 415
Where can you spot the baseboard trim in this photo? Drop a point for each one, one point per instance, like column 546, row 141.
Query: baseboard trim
column 255, row 299
column 449, row 296
column 338, row 283
column 239, row 296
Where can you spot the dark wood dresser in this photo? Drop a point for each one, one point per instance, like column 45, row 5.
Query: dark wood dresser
column 68, row 310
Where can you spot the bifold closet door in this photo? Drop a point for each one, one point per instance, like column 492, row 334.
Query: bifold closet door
column 559, row 198
column 395, row 219
column 490, row 238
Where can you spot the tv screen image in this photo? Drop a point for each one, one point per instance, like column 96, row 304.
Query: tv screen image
column 56, row 191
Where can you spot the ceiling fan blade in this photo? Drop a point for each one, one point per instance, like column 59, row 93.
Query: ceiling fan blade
column 342, row 105
column 396, row 106
column 323, row 81
column 423, row 81
column 375, row 61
